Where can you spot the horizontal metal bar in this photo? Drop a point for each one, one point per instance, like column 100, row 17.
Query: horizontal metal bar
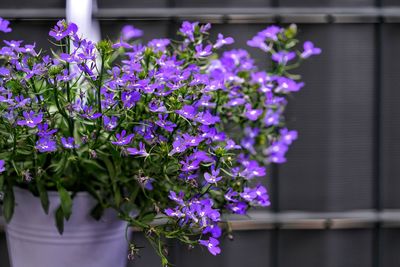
column 262, row 220
column 225, row 15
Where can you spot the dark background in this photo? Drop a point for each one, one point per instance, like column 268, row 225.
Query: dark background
column 347, row 159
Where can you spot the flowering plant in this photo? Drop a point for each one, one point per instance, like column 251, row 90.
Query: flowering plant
column 165, row 130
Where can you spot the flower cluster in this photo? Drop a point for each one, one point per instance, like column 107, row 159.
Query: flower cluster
column 167, row 128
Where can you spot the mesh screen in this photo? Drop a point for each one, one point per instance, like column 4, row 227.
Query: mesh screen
column 325, row 248
column 326, row 3
column 390, row 117
column 330, row 166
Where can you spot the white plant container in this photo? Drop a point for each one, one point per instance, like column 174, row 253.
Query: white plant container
column 33, row 239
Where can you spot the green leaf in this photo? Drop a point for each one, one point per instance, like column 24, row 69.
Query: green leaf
column 44, row 198
column 1, row 183
column 8, row 204
column 66, row 201
column 148, row 218
column 59, row 216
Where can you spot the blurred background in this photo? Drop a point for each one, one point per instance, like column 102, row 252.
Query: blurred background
column 337, row 200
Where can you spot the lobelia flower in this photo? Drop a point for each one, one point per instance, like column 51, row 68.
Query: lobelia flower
column 288, row 136
column 4, row 25
column 159, row 45
column 272, row 118
column 192, row 141
column 213, row 177
column 4, row 72
column 128, row 32
column 110, row 123
column 187, row 111
column 178, row 146
column 2, row 166
column 46, row 144
column 206, row 118
column 221, row 41
column 287, row 85
column 138, row 152
column 163, row 123
column 283, row 57
column 238, row 207
column 130, row 98
column 200, row 52
column 31, row 119
column 43, row 130
column 89, row 113
column 187, row 29
column 62, row 30
column 277, row 152
column 259, row 42
column 123, row 139
column 214, row 230
column 230, row 144
column 69, row 143
column 252, row 114
column 310, row 50
column 270, row 32
column 21, row 101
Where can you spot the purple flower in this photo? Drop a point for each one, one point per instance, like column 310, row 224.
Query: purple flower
column 159, row 45
column 271, row 118
column 214, row 230
column 4, row 25
column 69, row 143
column 230, row 144
column 259, row 42
column 252, row 169
column 206, row 118
column 122, row 140
column 130, row 98
column 231, row 195
column 252, row 114
column 190, row 165
column 200, row 52
column 187, row 29
column 283, row 57
column 286, row 85
column 62, row 29
column 46, row 144
column 310, row 49
column 128, row 32
column 277, row 152
column 288, row 136
column 90, row 114
column 238, row 207
column 110, row 123
column 4, row 72
column 177, row 198
column 192, row 141
column 44, row 130
column 212, row 245
column 187, row 111
column 213, row 177
column 31, row 119
column 138, row 152
column 179, row 146
column 248, row 194
column 262, row 196
column 270, row 32
column 21, row 101
column 221, row 41
column 2, row 168
column 163, row 123
column 235, row 102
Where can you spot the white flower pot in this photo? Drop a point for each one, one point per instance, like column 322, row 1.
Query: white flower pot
column 33, row 239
